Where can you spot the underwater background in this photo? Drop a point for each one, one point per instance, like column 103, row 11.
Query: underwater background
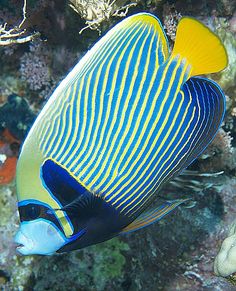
column 40, row 41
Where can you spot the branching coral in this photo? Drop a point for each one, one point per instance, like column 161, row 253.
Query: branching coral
column 35, row 71
column 35, row 68
column 95, row 12
column 16, row 34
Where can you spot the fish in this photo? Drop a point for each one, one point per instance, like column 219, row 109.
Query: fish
column 130, row 116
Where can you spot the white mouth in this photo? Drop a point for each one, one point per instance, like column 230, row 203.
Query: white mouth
column 39, row 237
column 24, row 244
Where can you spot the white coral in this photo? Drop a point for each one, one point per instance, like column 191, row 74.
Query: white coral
column 225, row 261
column 95, row 12
column 15, row 34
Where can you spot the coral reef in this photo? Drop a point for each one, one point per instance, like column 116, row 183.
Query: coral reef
column 178, row 252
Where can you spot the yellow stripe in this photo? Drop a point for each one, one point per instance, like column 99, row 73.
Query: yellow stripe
column 163, row 141
column 56, row 106
column 113, row 88
column 140, row 116
column 46, row 118
column 66, row 134
column 49, row 118
column 77, row 119
column 85, row 110
column 159, row 148
column 54, row 123
column 150, row 133
column 75, row 136
column 176, row 157
column 55, row 127
column 193, row 141
column 194, row 109
column 98, row 121
column 111, row 93
column 146, row 123
column 40, row 132
column 133, row 108
column 61, row 120
column 111, row 146
column 91, row 122
column 90, row 65
column 60, row 138
column 174, row 137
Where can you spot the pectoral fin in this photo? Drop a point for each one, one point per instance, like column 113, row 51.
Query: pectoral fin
column 153, row 215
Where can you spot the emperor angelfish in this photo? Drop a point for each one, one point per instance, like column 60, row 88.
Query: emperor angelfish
column 129, row 117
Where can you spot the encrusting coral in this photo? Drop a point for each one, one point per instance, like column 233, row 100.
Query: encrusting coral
column 225, row 261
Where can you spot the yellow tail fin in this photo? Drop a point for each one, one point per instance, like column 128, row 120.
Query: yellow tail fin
column 200, row 46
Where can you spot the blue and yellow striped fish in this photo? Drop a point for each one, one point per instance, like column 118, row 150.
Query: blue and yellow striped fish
column 129, row 117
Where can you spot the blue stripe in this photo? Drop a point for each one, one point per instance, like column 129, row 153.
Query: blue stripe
column 116, row 93
column 159, row 124
column 212, row 113
column 70, row 158
column 127, row 89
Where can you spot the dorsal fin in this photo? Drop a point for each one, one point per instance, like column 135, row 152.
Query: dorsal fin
column 152, row 22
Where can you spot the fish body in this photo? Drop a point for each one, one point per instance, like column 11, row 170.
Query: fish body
column 128, row 118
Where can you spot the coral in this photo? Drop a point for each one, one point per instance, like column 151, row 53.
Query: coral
column 171, row 19
column 93, row 268
column 8, row 157
column 8, row 170
column 95, row 12
column 14, row 270
column 178, row 252
column 16, row 116
column 34, row 68
column 225, row 261
column 108, row 261
column 219, row 154
column 41, row 68
column 227, row 78
column 16, row 34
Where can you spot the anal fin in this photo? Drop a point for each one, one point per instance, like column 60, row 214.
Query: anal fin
column 153, row 215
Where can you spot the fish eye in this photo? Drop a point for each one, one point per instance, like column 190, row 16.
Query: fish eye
column 33, row 212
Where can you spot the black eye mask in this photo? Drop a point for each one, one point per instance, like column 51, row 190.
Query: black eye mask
column 34, row 211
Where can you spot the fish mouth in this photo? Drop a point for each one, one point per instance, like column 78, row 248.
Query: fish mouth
column 23, row 244
column 19, row 247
